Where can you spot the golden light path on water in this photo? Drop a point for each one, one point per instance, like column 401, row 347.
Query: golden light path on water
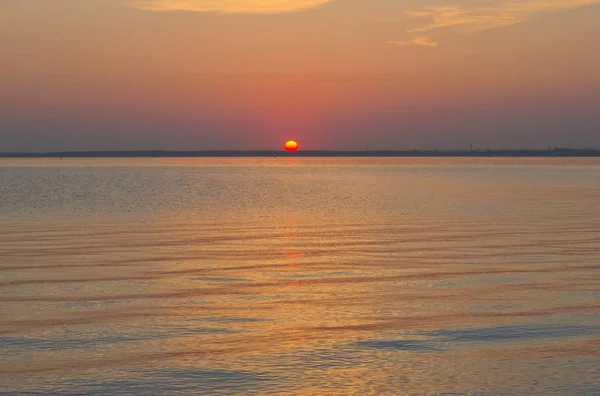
column 363, row 276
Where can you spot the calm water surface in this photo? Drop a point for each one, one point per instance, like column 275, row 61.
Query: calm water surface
column 300, row 276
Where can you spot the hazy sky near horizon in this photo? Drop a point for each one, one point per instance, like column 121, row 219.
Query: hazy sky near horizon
column 332, row 74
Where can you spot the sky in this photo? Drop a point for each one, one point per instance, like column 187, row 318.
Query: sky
column 331, row 74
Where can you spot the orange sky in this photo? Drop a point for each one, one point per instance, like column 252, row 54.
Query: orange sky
column 345, row 74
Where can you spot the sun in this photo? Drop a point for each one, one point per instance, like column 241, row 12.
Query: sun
column 291, row 145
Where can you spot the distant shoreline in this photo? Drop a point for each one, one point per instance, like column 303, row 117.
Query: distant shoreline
column 556, row 152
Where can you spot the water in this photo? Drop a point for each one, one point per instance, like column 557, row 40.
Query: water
column 300, row 276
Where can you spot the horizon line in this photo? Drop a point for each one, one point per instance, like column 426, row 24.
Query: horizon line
column 550, row 152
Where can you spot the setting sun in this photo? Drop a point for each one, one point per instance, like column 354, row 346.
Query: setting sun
column 291, row 145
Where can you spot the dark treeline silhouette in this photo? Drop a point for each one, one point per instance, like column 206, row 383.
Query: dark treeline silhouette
column 554, row 152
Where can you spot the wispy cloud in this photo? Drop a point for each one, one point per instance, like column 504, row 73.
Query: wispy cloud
column 489, row 14
column 228, row 6
column 423, row 41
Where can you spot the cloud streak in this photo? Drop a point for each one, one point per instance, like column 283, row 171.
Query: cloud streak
column 228, row 6
column 490, row 14
column 423, row 41
column 469, row 19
